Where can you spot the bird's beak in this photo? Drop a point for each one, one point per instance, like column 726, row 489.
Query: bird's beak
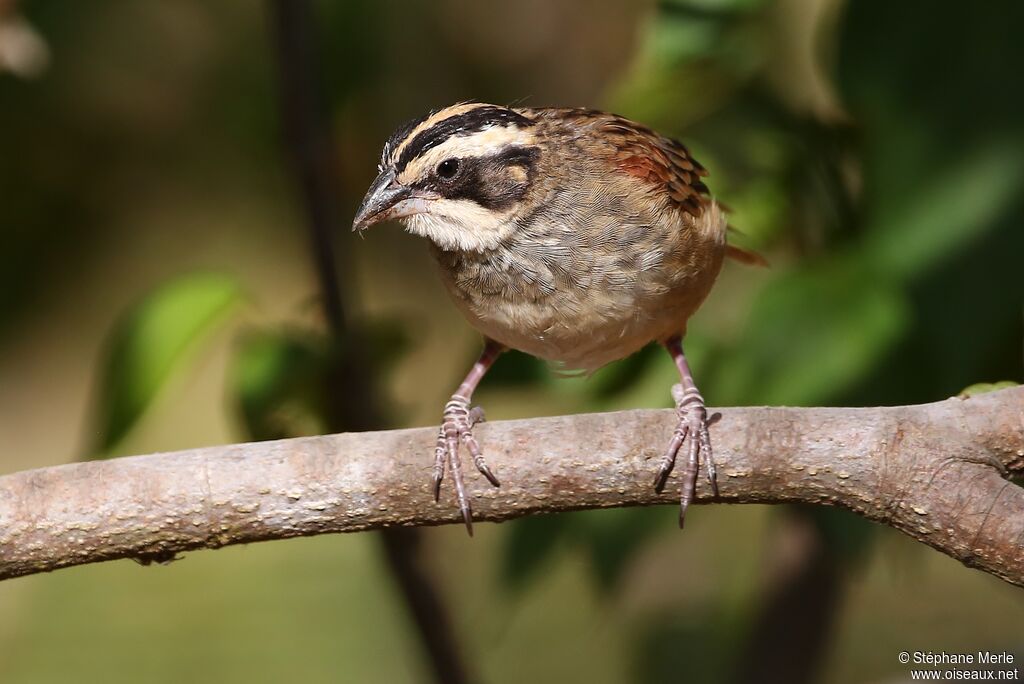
column 388, row 199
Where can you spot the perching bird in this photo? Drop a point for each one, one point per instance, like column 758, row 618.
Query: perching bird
column 569, row 234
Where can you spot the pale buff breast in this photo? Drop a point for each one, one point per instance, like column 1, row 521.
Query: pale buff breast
column 589, row 305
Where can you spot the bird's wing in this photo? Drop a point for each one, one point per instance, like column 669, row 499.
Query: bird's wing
column 663, row 162
column 640, row 152
column 667, row 163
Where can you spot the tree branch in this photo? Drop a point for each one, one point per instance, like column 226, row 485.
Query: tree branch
column 937, row 472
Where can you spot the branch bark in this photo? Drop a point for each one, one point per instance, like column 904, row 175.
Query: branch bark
column 936, row 472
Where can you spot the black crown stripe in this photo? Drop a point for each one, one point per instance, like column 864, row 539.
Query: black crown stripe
column 466, row 123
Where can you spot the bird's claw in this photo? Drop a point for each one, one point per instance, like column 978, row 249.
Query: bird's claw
column 693, row 423
column 457, row 426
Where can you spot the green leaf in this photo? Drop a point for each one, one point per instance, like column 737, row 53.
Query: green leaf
column 985, row 387
column 954, row 206
column 286, row 383
column 812, row 334
column 276, row 379
column 150, row 342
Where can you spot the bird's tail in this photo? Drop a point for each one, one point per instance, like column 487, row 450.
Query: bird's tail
column 741, row 254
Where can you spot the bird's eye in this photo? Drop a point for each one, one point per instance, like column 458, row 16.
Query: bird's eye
column 448, row 168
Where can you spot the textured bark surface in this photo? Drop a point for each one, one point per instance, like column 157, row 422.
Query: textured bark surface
column 937, row 472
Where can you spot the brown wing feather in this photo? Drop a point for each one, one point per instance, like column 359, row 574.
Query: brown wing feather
column 662, row 161
column 641, row 152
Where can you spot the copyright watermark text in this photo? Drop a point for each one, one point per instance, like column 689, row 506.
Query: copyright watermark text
column 974, row 665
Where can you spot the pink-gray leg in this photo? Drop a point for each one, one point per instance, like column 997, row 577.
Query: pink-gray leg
column 693, row 423
column 457, row 425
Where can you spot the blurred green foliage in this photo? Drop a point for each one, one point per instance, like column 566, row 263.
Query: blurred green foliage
column 150, row 343
column 983, row 387
column 282, row 380
column 275, row 380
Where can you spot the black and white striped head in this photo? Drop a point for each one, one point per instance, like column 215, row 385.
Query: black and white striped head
column 455, row 176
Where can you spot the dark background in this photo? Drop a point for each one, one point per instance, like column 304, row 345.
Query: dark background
column 157, row 292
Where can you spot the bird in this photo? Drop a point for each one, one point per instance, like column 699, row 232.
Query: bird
column 571, row 234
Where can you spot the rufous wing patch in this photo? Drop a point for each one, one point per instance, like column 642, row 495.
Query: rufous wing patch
column 658, row 160
column 641, row 166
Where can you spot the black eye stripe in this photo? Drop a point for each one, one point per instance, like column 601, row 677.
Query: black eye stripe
column 518, row 155
column 485, row 180
column 467, row 123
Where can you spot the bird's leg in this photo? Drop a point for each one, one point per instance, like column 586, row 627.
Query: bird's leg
column 456, row 426
column 693, row 423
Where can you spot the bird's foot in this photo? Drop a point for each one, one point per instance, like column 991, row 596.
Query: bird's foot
column 457, row 426
column 693, row 423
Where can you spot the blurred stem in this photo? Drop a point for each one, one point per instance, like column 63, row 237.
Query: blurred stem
column 309, row 143
column 792, row 632
column 353, row 405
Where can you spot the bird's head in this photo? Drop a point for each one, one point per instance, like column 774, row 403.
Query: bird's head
column 457, row 176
